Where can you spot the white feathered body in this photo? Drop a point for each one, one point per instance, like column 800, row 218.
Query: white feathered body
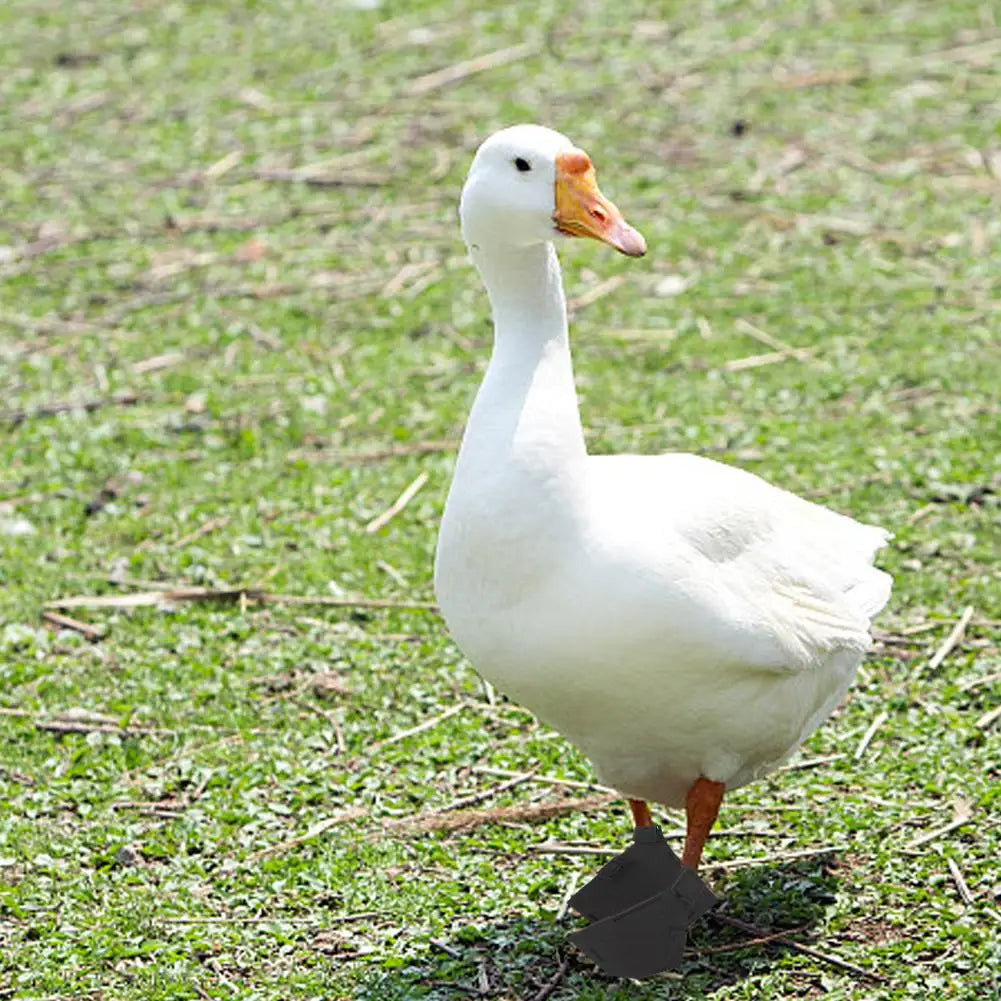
column 688, row 620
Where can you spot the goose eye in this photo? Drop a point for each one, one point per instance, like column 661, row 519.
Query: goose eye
column 522, row 164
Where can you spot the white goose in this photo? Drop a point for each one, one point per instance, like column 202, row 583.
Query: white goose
column 683, row 622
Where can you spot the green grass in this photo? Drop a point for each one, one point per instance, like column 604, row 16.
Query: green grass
column 275, row 333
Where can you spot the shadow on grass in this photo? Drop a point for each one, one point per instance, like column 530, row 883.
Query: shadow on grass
column 519, row 957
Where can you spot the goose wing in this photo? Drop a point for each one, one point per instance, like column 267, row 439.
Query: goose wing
column 757, row 576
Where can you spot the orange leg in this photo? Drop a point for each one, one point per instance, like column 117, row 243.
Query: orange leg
column 701, row 805
column 641, row 813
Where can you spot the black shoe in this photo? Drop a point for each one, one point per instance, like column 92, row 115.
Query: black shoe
column 643, row 902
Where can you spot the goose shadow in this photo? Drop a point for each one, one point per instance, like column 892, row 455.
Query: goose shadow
column 519, row 957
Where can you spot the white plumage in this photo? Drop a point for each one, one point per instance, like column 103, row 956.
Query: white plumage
column 674, row 617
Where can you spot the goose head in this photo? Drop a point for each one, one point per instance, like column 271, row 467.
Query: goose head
column 530, row 185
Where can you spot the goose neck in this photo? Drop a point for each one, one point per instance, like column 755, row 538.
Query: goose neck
column 526, row 411
column 526, row 295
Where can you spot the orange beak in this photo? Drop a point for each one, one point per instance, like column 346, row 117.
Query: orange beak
column 582, row 210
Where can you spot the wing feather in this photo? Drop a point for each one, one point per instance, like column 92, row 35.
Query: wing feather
column 771, row 580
